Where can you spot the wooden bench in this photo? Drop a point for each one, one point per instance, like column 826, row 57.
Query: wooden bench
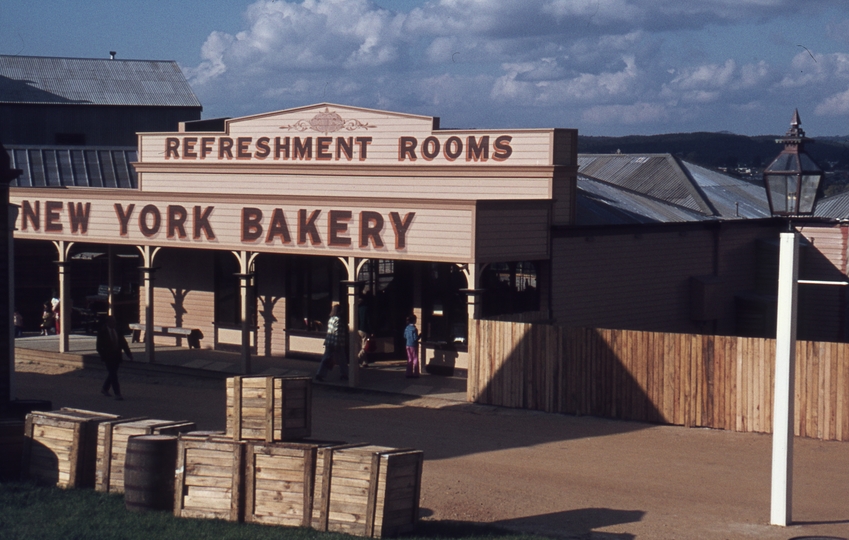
column 193, row 335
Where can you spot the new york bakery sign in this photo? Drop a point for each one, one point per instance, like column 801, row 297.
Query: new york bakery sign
column 218, row 216
column 372, row 231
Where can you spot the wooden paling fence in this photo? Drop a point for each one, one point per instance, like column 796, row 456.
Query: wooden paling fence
column 721, row 382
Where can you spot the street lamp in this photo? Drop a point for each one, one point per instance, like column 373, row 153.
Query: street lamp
column 792, row 181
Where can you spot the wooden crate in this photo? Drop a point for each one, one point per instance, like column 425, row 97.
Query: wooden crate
column 209, row 480
column 270, row 409
column 60, row 447
column 279, row 482
column 112, row 440
column 367, row 490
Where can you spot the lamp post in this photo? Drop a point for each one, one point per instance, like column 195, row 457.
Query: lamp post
column 792, row 181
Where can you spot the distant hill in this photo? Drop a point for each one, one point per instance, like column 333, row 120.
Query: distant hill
column 718, row 149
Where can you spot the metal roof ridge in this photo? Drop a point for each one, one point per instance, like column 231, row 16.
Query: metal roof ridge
column 644, row 195
column 695, row 189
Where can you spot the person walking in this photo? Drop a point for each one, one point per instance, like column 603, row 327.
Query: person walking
column 411, row 337
column 334, row 346
column 110, row 346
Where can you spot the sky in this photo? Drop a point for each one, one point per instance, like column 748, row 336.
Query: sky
column 605, row 67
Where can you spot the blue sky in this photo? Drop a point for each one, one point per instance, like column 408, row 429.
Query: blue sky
column 605, row 67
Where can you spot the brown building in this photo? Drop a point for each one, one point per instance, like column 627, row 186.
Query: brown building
column 248, row 229
column 88, row 101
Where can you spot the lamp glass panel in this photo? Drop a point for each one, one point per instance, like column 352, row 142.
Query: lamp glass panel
column 810, row 184
column 777, row 186
column 785, row 162
column 808, row 164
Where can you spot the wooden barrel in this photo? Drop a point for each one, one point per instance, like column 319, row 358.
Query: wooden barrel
column 11, row 449
column 149, row 472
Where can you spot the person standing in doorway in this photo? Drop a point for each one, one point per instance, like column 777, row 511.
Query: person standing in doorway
column 364, row 328
column 411, row 337
column 334, row 346
column 47, row 323
column 19, row 324
column 54, row 302
column 110, row 346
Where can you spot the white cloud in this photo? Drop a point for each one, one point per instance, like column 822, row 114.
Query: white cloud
column 711, row 76
column 575, row 88
column 638, row 113
column 837, row 104
column 838, row 31
column 593, row 59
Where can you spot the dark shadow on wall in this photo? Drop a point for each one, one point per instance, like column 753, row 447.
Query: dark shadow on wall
column 823, row 309
column 266, row 313
column 179, row 295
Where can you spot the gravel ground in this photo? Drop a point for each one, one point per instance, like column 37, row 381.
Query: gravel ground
column 562, row 476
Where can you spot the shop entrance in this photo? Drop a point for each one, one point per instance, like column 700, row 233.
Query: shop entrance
column 386, row 298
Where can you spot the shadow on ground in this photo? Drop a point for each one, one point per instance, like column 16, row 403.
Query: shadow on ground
column 578, row 524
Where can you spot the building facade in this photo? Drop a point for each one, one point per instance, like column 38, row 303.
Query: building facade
column 274, row 217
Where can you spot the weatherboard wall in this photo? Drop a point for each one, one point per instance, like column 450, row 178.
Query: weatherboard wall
column 643, row 281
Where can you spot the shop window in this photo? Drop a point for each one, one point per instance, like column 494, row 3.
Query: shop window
column 312, row 285
column 445, row 306
column 509, row 288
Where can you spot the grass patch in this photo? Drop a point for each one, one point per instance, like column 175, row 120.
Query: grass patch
column 29, row 512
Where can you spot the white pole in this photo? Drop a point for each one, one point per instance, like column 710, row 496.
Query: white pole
column 785, row 359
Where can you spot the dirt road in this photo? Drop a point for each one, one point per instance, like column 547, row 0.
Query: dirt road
column 555, row 475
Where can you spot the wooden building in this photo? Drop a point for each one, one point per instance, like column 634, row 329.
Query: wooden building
column 88, row 101
column 72, row 122
column 272, row 218
column 247, row 230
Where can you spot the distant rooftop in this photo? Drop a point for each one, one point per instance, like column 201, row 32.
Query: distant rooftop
column 615, row 189
column 75, row 166
column 93, row 81
column 834, row 207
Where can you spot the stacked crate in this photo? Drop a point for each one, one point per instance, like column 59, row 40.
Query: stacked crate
column 209, row 479
column 112, row 439
column 279, row 482
column 269, row 409
column 367, row 490
column 60, row 447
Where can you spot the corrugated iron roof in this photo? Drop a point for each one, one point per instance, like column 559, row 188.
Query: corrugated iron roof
column 658, row 188
column 836, row 206
column 729, row 196
column 93, row 81
column 599, row 203
column 78, row 166
column 653, row 175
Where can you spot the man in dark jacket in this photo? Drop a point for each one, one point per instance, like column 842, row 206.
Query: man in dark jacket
column 110, row 345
